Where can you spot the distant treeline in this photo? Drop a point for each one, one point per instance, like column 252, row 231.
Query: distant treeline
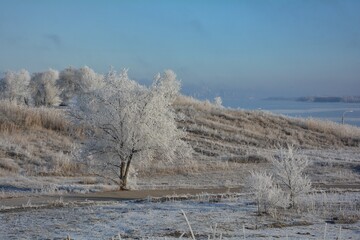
column 350, row 99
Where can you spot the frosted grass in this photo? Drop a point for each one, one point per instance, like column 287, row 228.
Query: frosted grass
column 233, row 218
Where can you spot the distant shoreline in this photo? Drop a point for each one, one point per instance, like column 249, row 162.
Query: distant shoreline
column 349, row 99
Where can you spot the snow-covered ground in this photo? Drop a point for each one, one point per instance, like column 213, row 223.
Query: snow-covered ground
column 333, row 216
column 230, row 218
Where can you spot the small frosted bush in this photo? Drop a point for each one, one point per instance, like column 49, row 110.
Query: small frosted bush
column 44, row 90
column 14, row 87
column 267, row 193
column 218, row 102
column 284, row 185
column 288, row 169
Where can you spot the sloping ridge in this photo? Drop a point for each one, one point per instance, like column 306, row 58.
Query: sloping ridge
column 40, row 141
column 219, row 132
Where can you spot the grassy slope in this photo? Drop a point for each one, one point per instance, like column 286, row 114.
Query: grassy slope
column 218, row 132
column 39, row 141
column 35, row 141
column 238, row 141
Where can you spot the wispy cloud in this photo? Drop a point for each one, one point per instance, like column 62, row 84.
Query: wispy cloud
column 54, row 38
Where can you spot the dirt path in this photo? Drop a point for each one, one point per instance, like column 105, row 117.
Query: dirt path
column 136, row 194
column 108, row 196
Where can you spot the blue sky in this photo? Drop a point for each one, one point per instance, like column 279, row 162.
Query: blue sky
column 250, row 48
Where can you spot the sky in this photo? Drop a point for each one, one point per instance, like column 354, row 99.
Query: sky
column 259, row 48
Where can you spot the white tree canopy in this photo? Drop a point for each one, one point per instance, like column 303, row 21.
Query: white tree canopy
column 74, row 81
column 134, row 124
column 44, row 90
column 14, row 86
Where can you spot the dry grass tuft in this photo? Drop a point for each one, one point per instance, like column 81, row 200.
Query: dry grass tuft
column 63, row 165
column 9, row 165
column 329, row 127
column 15, row 117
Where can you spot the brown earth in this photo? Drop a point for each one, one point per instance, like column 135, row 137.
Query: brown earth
column 110, row 196
column 30, row 202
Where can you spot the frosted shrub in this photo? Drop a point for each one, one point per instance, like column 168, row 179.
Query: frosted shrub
column 44, row 90
column 267, row 194
column 218, row 102
column 284, row 185
column 14, row 87
column 74, row 81
column 288, row 169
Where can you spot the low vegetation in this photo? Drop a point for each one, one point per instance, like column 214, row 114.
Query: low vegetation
column 109, row 129
column 228, row 128
column 20, row 118
column 36, row 141
column 42, row 140
column 283, row 185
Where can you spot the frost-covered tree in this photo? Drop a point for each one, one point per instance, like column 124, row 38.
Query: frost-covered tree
column 132, row 124
column 89, row 79
column 218, row 102
column 285, row 183
column 267, row 193
column 288, row 169
column 14, row 86
column 44, row 90
column 74, row 81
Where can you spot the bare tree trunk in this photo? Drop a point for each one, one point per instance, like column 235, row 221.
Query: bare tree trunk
column 125, row 169
column 292, row 200
column 122, row 184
